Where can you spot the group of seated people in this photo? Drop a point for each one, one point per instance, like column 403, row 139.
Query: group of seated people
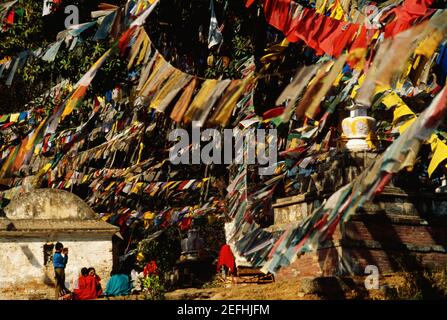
column 89, row 285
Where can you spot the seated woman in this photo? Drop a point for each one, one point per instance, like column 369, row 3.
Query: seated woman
column 92, row 273
column 87, row 289
column 118, row 285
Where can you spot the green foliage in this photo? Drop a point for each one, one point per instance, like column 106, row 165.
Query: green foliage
column 112, row 73
column 37, row 76
column 26, row 32
column 165, row 250
column 153, row 287
column 242, row 49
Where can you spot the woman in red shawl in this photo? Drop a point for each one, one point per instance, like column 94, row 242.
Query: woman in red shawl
column 92, row 273
column 226, row 259
column 87, row 289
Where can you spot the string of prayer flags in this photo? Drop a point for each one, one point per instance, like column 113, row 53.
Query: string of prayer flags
column 83, row 84
column 296, row 86
column 342, row 204
column 394, row 53
column 176, row 82
column 142, row 43
column 229, row 100
column 204, row 101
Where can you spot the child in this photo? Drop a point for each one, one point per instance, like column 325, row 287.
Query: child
column 60, row 259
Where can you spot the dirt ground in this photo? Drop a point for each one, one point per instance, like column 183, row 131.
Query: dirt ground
column 270, row 291
column 397, row 286
column 407, row 286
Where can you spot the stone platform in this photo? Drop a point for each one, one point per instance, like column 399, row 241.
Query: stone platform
column 401, row 230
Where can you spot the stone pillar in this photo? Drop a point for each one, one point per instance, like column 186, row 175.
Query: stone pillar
column 358, row 127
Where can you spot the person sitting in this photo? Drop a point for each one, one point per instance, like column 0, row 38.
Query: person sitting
column 92, row 273
column 86, row 287
column 118, row 285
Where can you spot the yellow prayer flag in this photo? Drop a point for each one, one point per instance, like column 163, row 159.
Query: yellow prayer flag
column 357, row 86
column 338, row 79
column 321, row 7
column 85, row 178
column 4, row 60
column 337, row 11
column 137, row 187
column 175, row 184
column 143, row 51
column 391, row 100
column 149, row 215
column 381, row 88
column 401, row 111
column 37, row 149
column 433, row 140
column 42, row 172
column 416, row 62
column 14, row 117
column 439, row 156
column 428, row 46
column 376, row 35
column 354, row 91
column 168, row 184
column 110, row 186
column 140, row 152
column 404, row 75
column 106, row 217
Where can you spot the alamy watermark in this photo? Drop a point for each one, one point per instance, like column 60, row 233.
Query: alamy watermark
column 372, row 280
column 73, row 16
column 260, row 146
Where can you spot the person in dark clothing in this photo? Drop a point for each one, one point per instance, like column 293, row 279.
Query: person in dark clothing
column 60, row 259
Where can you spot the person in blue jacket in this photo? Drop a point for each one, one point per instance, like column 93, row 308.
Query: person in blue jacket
column 60, row 259
column 118, row 285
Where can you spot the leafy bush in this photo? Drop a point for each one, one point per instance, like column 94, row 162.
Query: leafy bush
column 153, row 287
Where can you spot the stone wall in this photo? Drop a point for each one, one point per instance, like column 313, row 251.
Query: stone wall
column 24, row 275
column 396, row 232
column 401, row 230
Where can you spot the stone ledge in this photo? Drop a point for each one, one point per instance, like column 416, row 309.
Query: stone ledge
column 382, row 217
column 388, row 191
column 369, row 244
